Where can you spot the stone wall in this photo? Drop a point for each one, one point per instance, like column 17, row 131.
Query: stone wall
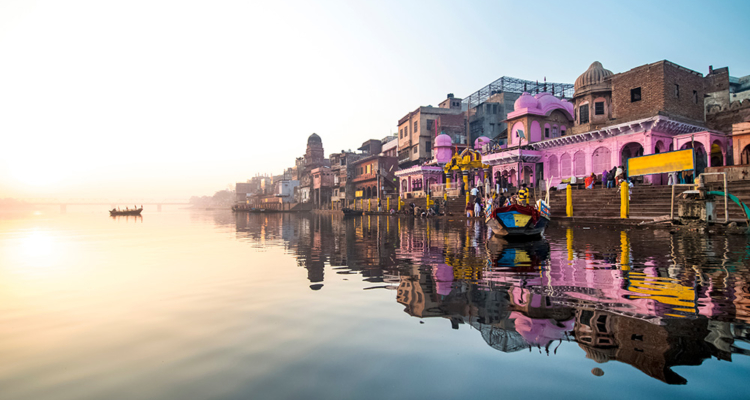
column 721, row 118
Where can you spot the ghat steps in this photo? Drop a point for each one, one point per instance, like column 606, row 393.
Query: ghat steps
column 646, row 202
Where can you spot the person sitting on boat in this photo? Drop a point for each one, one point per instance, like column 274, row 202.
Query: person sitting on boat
column 501, row 200
column 523, row 195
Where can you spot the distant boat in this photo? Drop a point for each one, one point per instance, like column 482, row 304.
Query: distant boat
column 349, row 212
column 115, row 212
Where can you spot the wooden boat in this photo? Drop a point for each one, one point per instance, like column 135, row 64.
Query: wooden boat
column 115, row 212
column 520, row 222
column 350, row 212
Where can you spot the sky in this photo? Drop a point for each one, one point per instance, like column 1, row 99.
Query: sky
column 167, row 99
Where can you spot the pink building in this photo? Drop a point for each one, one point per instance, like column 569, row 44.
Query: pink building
column 612, row 117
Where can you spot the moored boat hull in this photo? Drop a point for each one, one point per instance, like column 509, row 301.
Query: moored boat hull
column 518, row 222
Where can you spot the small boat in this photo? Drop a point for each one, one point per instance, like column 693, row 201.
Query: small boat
column 520, row 222
column 114, row 212
column 350, row 212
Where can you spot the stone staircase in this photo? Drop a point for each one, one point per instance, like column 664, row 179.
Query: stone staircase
column 646, row 202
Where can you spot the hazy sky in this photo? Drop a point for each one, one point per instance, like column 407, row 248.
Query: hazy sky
column 165, row 98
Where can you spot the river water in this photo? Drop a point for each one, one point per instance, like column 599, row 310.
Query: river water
column 188, row 304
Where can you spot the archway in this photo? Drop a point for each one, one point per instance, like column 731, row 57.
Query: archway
column 565, row 165
column 629, row 151
column 659, row 147
column 601, row 160
column 717, row 156
column 579, row 163
column 403, row 186
column 528, row 176
column 745, row 155
column 368, row 193
column 552, row 168
column 701, row 157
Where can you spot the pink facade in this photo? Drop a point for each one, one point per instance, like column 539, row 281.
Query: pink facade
column 543, row 150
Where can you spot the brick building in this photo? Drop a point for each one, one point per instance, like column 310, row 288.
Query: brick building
column 417, row 129
column 373, row 172
column 342, row 188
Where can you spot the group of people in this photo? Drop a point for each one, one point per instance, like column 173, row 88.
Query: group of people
column 481, row 205
column 612, row 178
column 418, row 211
column 126, row 209
column 684, row 177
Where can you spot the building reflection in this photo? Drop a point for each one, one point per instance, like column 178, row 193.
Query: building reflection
column 647, row 298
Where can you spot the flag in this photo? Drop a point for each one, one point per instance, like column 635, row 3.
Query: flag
column 520, row 134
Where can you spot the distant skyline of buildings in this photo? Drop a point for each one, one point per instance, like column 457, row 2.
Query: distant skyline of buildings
column 546, row 133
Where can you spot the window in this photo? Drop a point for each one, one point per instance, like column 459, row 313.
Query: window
column 428, row 146
column 554, row 131
column 695, row 96
column 494, row 109
column 562, row 132
column 546, row 132
column 430, row 125
column 416, row 126
column 492, row 128
column 583, row 112
column 406, row 130
column 635, row 95
column 599, row 108
column 416, row 149
column 677, row 90
column 489, row 108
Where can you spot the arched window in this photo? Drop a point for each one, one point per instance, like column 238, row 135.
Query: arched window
column 565, row 165
column 601, row 160
column 552, row 169
column 579, row 159
column 745, row 155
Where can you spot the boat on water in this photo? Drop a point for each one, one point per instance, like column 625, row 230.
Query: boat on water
column 519, row 221
column 350, row 212
column 113, row 212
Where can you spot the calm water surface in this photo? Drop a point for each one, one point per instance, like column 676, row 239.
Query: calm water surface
column 212, row 305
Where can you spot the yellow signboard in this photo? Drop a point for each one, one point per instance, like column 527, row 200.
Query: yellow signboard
column 359, row 193
column 681, row 160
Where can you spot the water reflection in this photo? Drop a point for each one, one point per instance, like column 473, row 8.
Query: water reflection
column 645, row 298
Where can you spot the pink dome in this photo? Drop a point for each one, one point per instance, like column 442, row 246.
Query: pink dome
column 525, row 101
column 480, row 141
column 546, row 100
column 443, row 140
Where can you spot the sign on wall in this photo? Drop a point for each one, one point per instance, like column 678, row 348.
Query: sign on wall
column 681, row 160
column 359, row 193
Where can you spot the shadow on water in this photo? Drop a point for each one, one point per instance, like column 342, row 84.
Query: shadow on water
column 646, row 298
